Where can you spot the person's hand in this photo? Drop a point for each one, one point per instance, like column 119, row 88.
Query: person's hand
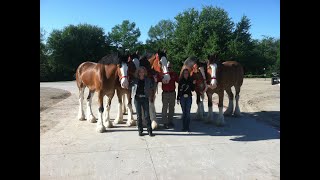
column 155, row 78
column 178, row 102
column 194, row 81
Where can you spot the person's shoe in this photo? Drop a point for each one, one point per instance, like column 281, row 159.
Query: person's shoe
column 150, row 132
column 171, row 124
column 140, row 132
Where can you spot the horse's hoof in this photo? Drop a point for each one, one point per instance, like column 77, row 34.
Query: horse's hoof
column 108, row 124
column 154, row 125
column 220, row 121
column 237, row 114
column 130, row 123
column 117, row 121
column 92, row 119
column 227, row 113
column 101, row 129
column 81, row 118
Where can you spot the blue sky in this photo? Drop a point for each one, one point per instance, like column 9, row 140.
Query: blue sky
column 56, row 14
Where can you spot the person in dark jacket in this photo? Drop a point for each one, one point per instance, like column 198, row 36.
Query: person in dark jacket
column 140, row 88
column 186, row 86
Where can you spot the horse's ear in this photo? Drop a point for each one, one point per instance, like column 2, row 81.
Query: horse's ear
column 164, row 50
column 137, row 52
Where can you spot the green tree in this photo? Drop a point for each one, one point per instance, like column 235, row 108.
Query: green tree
column 44, row 67
column 160, row 35
column 72, row 46
column 124, row 35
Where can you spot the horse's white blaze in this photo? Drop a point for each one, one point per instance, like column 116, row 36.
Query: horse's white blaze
column 124, row 71
column 213, row 82
column 136, row 62
column 164, row 65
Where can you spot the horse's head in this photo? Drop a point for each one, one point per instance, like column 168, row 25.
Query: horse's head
column 133, row 64
column 161, row 65
column 212, row 70
column 123, row 70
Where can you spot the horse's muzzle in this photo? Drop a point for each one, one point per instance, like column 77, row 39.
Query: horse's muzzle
column 124, row 83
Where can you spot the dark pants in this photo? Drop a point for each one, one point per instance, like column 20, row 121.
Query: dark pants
column 144, row 103
column 186, row 107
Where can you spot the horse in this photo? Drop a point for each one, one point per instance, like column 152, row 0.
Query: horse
column 154, row 63
column 222, row 76
column 124, row 95
column 101, row 77
column 217, row 77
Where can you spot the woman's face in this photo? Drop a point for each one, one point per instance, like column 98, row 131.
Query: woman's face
column 141, row 73
column 185, row 74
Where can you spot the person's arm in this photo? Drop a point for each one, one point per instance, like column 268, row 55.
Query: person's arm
column 176, row 78
column 179, row 91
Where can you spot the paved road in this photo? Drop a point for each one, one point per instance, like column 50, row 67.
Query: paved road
column 72, row 149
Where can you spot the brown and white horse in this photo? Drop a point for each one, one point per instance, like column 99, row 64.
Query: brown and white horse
column 124, row 95
column 101, row 77
column 222, row 77
column 155, row 63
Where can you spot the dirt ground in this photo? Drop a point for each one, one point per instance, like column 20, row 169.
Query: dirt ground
column 49, row 97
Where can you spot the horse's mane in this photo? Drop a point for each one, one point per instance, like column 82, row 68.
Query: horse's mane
column 144, row 60
column 112, row 58
column 190, row 61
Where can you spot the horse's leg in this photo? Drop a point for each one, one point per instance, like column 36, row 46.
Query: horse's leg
column 130, row 121
column 119, row 118
column 210, row 113
column 152, row 111
column 90, row 116
column 201, row 106
column 229, row 110
column 237, row 109
column 100, row 126
column 220, row 120
column 81, row 115
column 107, row 121
column 124, row 103
column 198, row 109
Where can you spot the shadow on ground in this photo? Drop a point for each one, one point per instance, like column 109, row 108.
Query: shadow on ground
column 245, row 128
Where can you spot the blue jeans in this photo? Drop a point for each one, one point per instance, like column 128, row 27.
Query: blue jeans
column 186, row 107
column 142, row 102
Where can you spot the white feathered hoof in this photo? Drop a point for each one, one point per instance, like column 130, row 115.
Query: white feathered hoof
column 92, row 119
column 154, row 125
column 208, row 120
column 118, row 121
column 131, row 123
column 108, row 124
column 220, row 121
column 228, row 112
column 100, row 129
column 81, row 117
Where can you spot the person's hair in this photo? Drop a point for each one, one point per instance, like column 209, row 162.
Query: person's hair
column 141, row 68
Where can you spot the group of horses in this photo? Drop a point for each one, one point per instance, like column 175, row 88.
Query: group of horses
column 114, row 72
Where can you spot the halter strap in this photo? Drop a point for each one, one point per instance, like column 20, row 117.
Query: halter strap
column 123, row 77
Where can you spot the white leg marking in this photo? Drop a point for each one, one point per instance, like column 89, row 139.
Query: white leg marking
column 237, row 109
column 100, row 126
column 81, row 115
column 90, row 116
column 220, row 120
column 229, row 110
column 119, row 118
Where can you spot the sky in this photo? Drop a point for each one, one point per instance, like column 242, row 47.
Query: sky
column 56, row 14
